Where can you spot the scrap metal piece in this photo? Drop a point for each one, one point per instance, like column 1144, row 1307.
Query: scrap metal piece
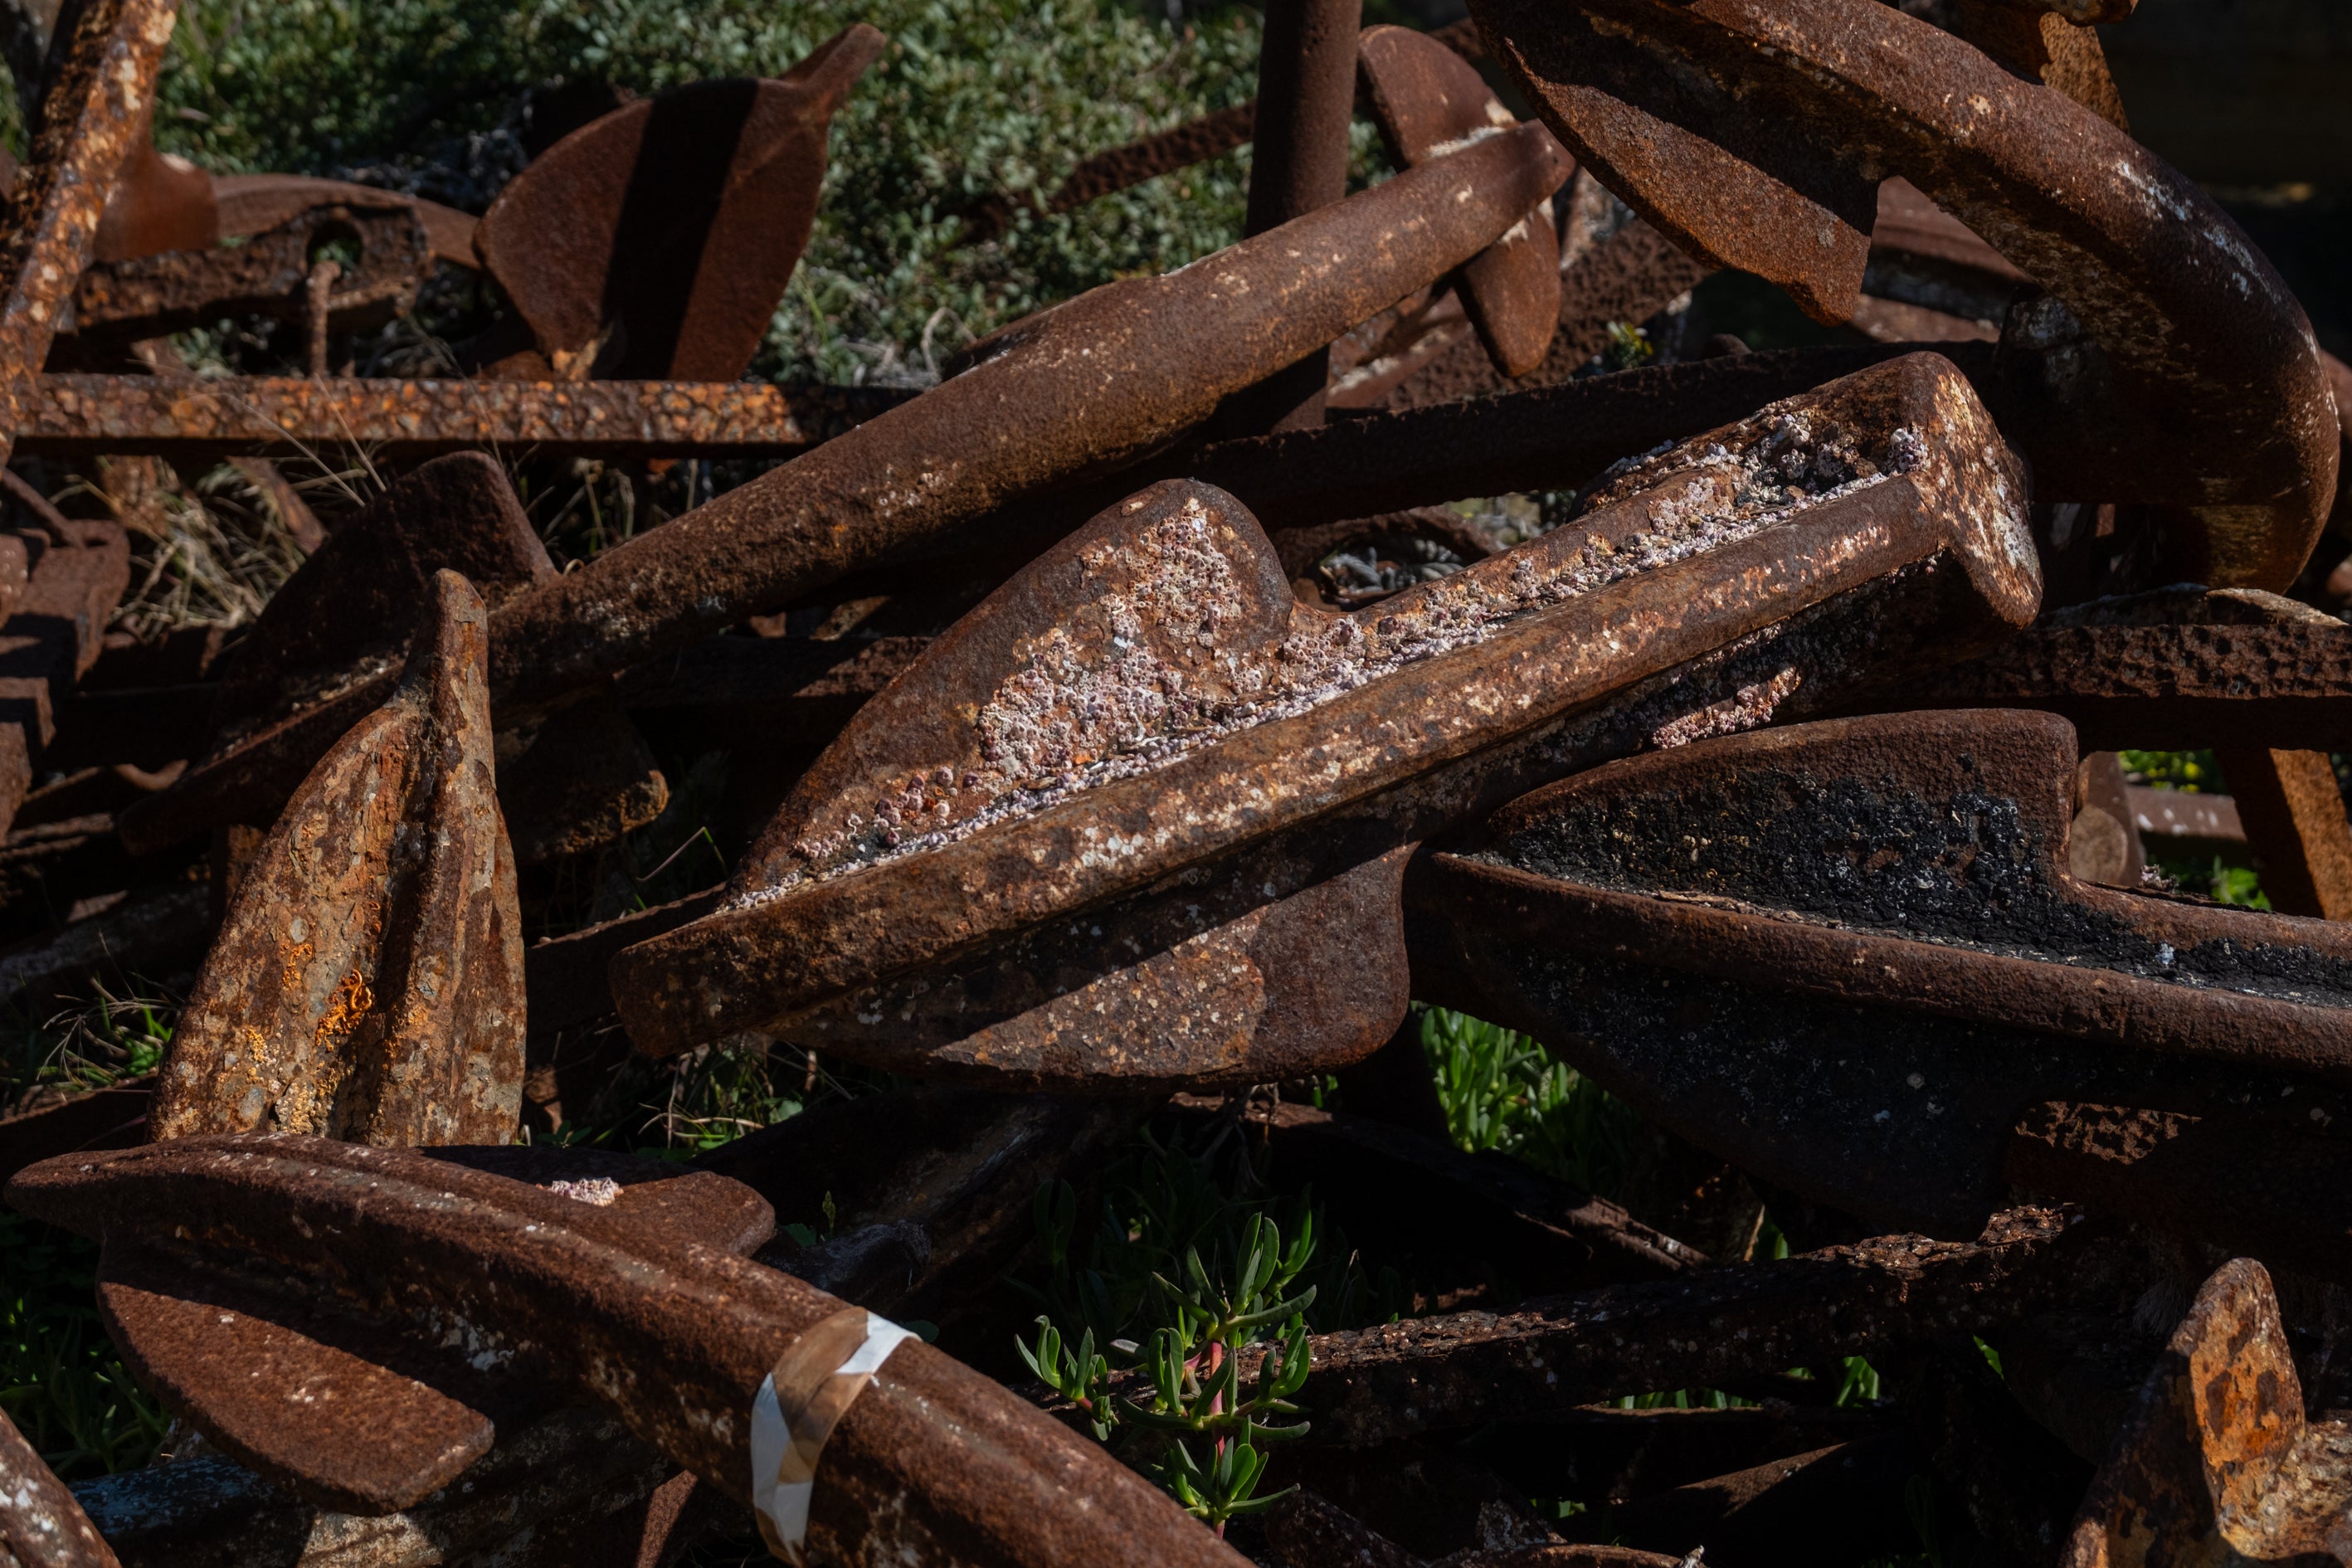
column 269, row 275
column 41, row 1525
column 2221, row 1463
column 250, row 203
column 2291, row 809
column 52, row 636
column 1428, row 101
column 1846, row 955
column 189, row 419
column 2045, row 44
column 1698, row 1329
column 1832, row 96
column 161, row 203
column 368, row 982
column 93, row 117
column 1149, row 697
column 932, row 1462
column 654, row 243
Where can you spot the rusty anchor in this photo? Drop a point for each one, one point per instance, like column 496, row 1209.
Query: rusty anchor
column 910, row 479
column 397, row 1254
column 1036, row 763
column 654, row 243
column 1750, row 937
column 1756, row 135
column 368, row 982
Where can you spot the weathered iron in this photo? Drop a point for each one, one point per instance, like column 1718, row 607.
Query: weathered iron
column 1756, row 134
column 1847, row 955
column 1135, row 703
column 2049, row 44
column 1029, row 414
column 41, row 1525
column 655, row 243
column 79, row 572
column 928, row 1460
column 2221, row 1462
column 269, row 275
column 250, row 203
column 1427, row 100
column 368, row 982
column 93, row 117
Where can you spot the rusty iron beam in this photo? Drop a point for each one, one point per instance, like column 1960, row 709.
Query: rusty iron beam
column 1382, row 1384
column 193, row 419
column 1756, row 133
column 1022, row 797
column 2293, row 812
column 1846, row 955
column 928, row 1460
column 93, row 118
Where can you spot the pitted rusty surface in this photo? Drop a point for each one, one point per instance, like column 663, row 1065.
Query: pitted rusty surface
column 1382, row 1384
column 1191, row 706
column 655, row 243
column 932, row 1462
column 1875, row 914
column 2220, row 1462
column 167, row 293
column 41, row 1525
column 281, row 417
column 249, row 204
column 94, row 116
column 368, row 983
column 1429, row 101
column 2163, row 321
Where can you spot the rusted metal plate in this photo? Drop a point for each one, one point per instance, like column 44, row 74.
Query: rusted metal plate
column 2043, row 45
column 79, row 572
column 1846, row 955
column 1428, row 101
column 160, row 203
column 41, row 1526
column 94, row 116
column 1831, row 96
column 932, row 1462
column 153, row 295
column 2293, row 812
column 2221, row 1462
column 113, row 1118
column 575, row 778
column 249, row 204
column 1149, row 696
column 368, row 983
column 281, row 417
column 655, row 243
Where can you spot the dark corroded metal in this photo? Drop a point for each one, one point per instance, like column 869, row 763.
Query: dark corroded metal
column 1847, row 955
column 2221, row 1463
column 1428, row 102
column 2043, row 45
column 655, row 243
column 1306, row 97
column 1149, row 696
column 1819, row 100
column 93, row 117
column 79, row 572
column 160, row 203
column 931, row 1463
column 368, row 982
column 2291, row 809
column 1698, row 1329
column 282, row 416
column 41, row 1525
column 156, row 294
column 1122, row 168
column 249, row 204
column 2168, row 670
column 2221, row 1179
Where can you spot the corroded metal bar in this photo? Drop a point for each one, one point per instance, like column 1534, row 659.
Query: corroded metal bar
column 932, row 1462
column 41, row 1525
column 93, row 117
column 74, row 415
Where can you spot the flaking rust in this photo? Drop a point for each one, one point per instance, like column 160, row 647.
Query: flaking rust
column 1847, row 956
column 1737, row 121
column 368, row 983
column 2221, row 1462
column 1148, row 698
column 931, row 1463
